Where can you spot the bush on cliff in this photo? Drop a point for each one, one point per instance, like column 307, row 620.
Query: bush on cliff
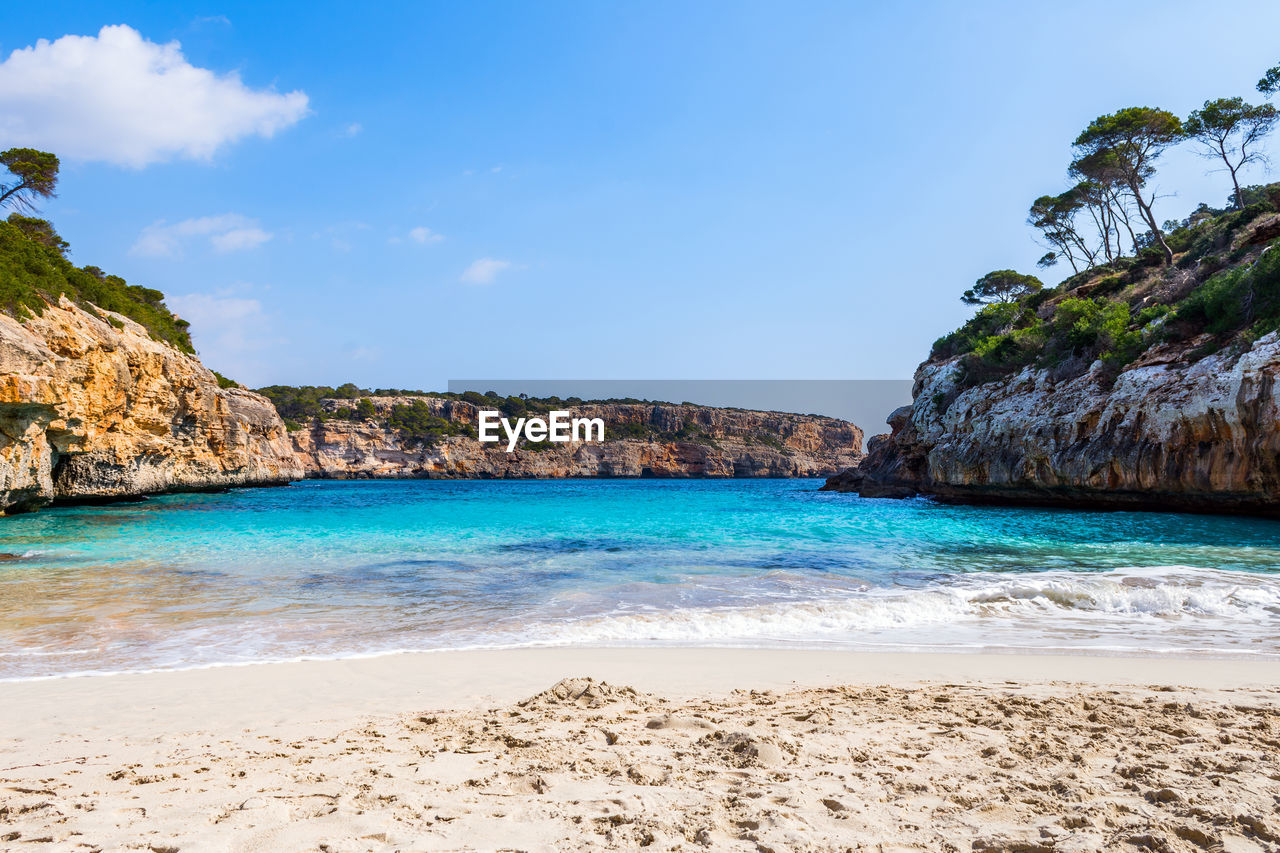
column 1244, row 299
column 224, row 382
column 1224, row 284
column 34, row 273
column 415, row 423
column 1092, row 328
column 992, row 320
column 295, row 403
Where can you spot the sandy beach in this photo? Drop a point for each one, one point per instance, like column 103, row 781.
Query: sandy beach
column 666, row 749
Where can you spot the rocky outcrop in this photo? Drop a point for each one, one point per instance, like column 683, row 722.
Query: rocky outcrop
column 683, row 441
column 91, row 407
column 1169, row 432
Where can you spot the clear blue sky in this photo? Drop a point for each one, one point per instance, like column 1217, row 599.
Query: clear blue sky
column 605, row 190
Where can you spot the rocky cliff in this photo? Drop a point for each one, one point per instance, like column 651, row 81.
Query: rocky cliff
column 1160, row 394
column 1163, row 435
column 92, row 407
column 674, row 441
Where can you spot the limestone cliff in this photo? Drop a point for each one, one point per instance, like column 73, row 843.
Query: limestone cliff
column 684, row 441
column 92, row 407
column 1165, row 435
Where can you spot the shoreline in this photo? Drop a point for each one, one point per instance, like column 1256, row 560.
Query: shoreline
column 800, row 647
column 402, row 682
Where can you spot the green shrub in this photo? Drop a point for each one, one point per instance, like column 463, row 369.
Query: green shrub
column 1244, row 217
column 224, row 382
column 1092, row 328
column 768, row 440
column 40, row 230
column 1243, row 298
column 415, row 422
column 1151, row 256
column 1109, row 284
column 1151, row 313
column 1180, row 240
column 992, row 320
column 514, row 407
column 346, row 391
column 34, row 273
column 297, row 403
column 630, row 429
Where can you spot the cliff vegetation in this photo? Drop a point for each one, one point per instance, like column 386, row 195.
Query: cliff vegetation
column 1221, row 292
column 35, row 271
column 1211, row 279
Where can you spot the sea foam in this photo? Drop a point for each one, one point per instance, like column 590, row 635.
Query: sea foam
column 1148, row 608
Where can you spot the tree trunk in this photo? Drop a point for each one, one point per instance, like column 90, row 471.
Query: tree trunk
column 1151, row 222
column 1222, row 152
column 1122, row 215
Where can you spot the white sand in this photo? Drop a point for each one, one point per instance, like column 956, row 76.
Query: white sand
column 433, row 752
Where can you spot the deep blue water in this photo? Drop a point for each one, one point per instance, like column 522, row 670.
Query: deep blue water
column 334, row 569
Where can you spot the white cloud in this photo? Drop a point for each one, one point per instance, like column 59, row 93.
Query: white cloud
column 424, row 235
column 229, row 232
column 120, row 98
column 353, row 129
column 239, row 238
column 484, row 271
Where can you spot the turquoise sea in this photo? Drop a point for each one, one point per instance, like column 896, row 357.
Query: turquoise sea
column 334, row 569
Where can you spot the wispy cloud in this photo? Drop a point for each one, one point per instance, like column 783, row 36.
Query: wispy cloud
column 119, row 98
column 229, row 232
column 353, row 129
column 230, row 330
column 484, row 271
column 342, row 235
column 424, row 235
column 357, row 352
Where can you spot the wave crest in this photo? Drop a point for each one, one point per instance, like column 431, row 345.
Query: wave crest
column 1104, row 603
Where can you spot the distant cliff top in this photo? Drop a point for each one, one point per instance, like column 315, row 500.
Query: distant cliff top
column 429, row 416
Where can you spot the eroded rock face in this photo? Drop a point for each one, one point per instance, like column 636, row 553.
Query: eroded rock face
column 89, row 410
column 730, row 443
column 1168, row 434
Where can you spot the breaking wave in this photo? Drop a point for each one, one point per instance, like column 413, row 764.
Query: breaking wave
column 1134, row 606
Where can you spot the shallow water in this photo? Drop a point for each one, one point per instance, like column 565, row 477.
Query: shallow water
column 324, row 569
